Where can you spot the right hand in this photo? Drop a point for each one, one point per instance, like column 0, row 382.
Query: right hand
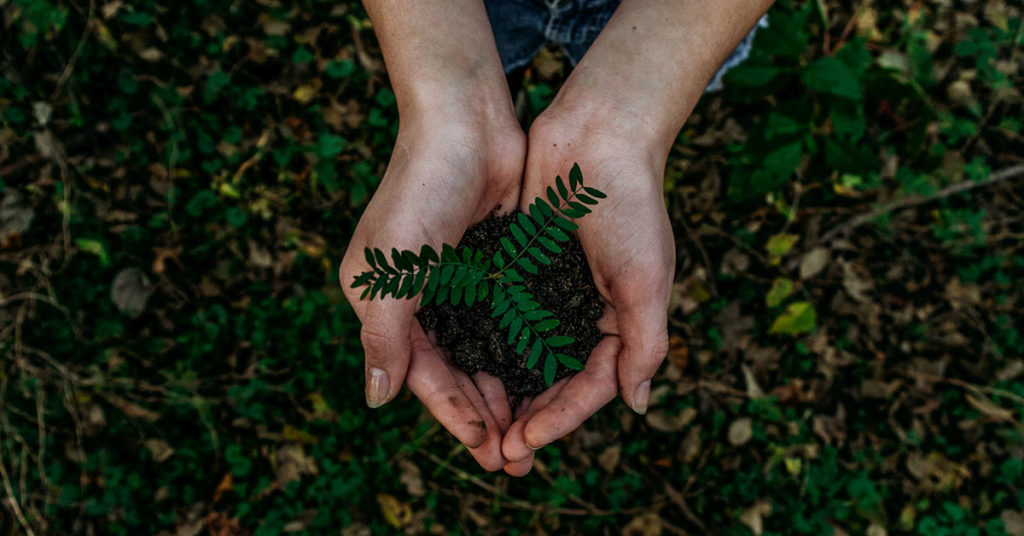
column 442, row 178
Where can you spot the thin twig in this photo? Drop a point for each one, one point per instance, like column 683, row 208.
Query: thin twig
column 679, row 500
column 13, row 501
column 70, row 65
column 1012, row 172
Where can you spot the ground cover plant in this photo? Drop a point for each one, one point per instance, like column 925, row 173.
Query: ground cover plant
column 178, row 183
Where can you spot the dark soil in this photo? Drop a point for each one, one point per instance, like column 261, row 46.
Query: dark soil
column 473, row 338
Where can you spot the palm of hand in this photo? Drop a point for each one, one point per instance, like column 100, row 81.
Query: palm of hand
column 435, row 187
column 628, row 243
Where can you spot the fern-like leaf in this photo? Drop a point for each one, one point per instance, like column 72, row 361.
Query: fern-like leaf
column 575, row 176
column 535, row 353
column 569, row 362
column 550, row 366
column 525, row 223
column 563, row 192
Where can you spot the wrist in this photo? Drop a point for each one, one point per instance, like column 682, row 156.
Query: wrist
column 595, row 126
column 616, row 113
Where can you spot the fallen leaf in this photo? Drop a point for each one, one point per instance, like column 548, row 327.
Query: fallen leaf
column 753, row 389
column 397, row 513
column 304, row 93
column 219, row 524
column 1013, row 521
column 292, row 433
column 159, row 449
column 110, row 9
column 691, row 447
column 15, row 214
column 989, row 410
column 781, row 289
column 875, row 529
column 226, row 484
column 741, row 431
column 609, row 459
column 678, row 353
column 292, row 463
column 753, row 517
column 855, row 284
column 666, row 421
column 130, row 290
column 780, row 244
column 799, row 317
column 411, row 478
column 813, row 263
column 151, row 54
column 259, row 256
column 648, row 524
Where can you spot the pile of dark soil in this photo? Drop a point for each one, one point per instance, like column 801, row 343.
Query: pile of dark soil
column 475, row 341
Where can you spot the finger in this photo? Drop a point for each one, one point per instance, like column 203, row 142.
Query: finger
column 488, row 454
column 432, row 381
column 524, row 406
column 584, row 394
column 521, row 467
column 494, row 395
column 643, row 326
column 387, row 324
column 514, row 445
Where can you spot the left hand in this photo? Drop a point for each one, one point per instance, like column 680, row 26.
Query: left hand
column 629, row 245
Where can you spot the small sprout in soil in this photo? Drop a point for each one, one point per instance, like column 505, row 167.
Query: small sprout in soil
column 463, row 276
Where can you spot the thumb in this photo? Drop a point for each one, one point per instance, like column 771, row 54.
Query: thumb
column 643, row 328
column 385, row 336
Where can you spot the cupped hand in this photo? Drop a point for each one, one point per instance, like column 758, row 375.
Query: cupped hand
column 629, row 245
column 441, row 179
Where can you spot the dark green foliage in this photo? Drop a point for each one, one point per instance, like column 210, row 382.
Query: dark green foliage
column 464, row 276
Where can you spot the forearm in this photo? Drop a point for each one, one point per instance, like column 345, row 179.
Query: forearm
column 649, row 66
column 441, row 58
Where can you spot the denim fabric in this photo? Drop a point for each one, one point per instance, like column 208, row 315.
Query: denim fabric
column 522, row 27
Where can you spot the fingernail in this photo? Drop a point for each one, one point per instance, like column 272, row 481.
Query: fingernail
column 378, row 387
column 641, row 397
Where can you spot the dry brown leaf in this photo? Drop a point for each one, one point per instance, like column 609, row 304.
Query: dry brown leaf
column 130, row 291
column 411, row 478
column 219, row 524
column 665, row 421
column 741, row 431
column 1013, row 521
column 132, row 409
column 856, row 283
column 678, row 353
column 259, row 256
column 691, row 446
column 753, row 517
column 226, row 484
column 609, row 459
column 15, row 214
column 159, row 448
column 875, row 529
column 648, row 524
column 292, row 462
column 989, row 409
column 753, row 389
column 813, row 262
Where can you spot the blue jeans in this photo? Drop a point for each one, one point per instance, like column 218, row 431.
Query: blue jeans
column 522, row 27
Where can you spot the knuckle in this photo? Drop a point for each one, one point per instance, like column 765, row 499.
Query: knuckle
column 376, row 341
